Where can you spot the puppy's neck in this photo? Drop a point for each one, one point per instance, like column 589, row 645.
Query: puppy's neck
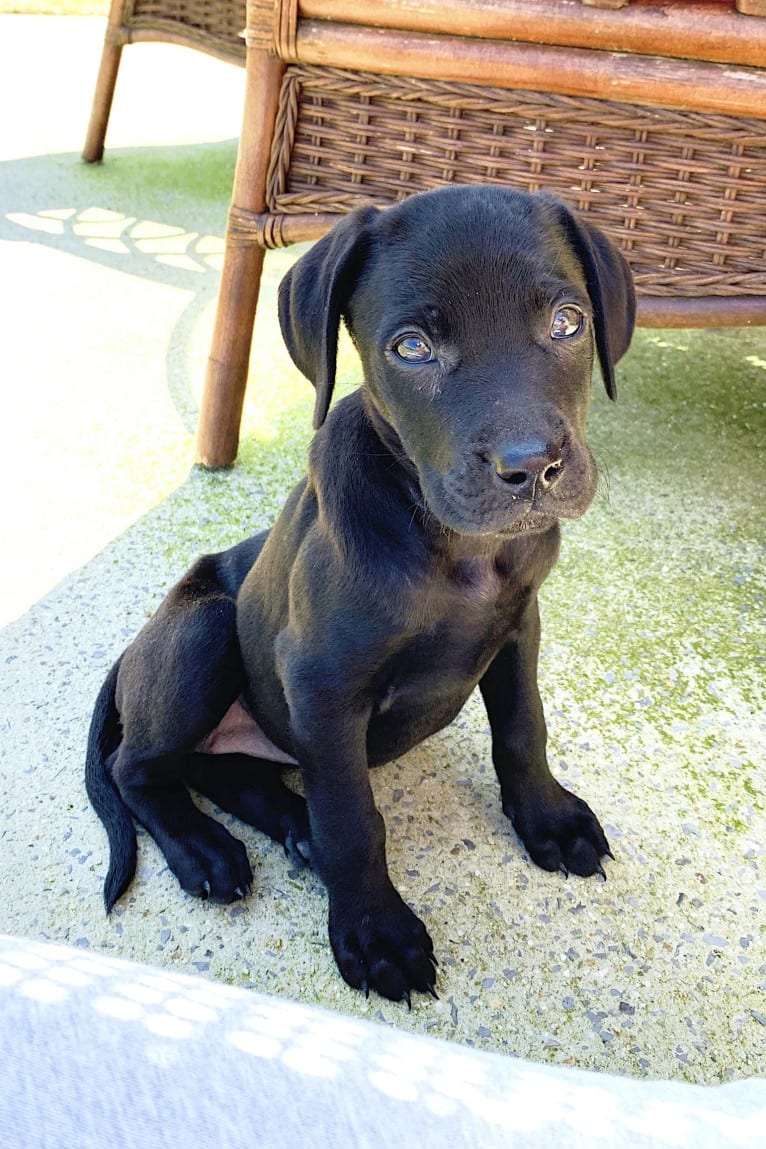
column 389, row 440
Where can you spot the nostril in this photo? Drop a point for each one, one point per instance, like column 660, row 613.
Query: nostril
column 551, row 473
column 515, row 478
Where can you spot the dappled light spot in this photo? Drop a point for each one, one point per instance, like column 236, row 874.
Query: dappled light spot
column 119, row 1008
column 174, row 241
column 504, row 1115
column 438, row 1105
column 309, row 1062
column 101, row 229
column 163, row 1054
column 338, row 1029
column 274, row 1018
column 148, row 229
column 209, row 245
column 56, row 952
column 256, row 1044
column 98, row 966
column 41, row 989
column 456, row 1072
column 65, row 975
column 394, row 1086
column 663, row 1121
column 164, row 1025
column 183, row 262
column 159, row 982
column 329, row 1047
column 143, row 994
column 592, row 1111
column 315, row 1041
column 212, row 994
column 188, row 1010
column 9, row 975
column 745, row 1131
column 101, row 215
column 26, row 960
column 114, row 245
column 36, row 222
column 409, row 1064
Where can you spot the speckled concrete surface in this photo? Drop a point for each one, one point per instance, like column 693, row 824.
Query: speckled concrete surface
column 653, row 662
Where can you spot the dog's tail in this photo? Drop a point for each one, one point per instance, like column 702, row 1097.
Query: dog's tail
column 103, row 739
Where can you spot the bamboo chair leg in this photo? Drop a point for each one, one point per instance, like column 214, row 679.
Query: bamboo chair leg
column 224, row 391
column 116, row 35
column 93, row 151
column 226, row 379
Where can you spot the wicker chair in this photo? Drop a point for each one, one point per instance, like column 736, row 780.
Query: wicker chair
column 213, row 26
column 652, row 116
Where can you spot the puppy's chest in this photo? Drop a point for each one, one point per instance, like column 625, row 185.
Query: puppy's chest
column 481, row 596
column 476, row 585
column 458, row 630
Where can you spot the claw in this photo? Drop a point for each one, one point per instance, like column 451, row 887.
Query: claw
column 563, row 870
column 297, row 851
column 239, row 892
column 206, row 890
column 366, row 990
column 248, row 889
column 433, row 993
column 406, row 997
column 608, row 854
column 600, row 870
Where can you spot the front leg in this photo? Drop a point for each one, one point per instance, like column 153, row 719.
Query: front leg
column 559, row 830
column 377, row 940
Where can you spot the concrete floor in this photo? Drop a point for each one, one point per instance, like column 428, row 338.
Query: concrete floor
column 653, row 662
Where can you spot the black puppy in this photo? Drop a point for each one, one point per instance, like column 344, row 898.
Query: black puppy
column 402, row 573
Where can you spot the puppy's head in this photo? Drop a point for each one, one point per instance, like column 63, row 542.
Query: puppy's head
column 477, row 313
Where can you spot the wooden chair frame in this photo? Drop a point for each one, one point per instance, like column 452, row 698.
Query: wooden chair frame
column 650, row 115
column 212, row 26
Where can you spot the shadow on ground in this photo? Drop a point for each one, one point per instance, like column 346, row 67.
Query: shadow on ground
column 155, row 213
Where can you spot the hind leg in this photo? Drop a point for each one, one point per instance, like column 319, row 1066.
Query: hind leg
column 175, row 683
column 205, row 858
column 252, row 789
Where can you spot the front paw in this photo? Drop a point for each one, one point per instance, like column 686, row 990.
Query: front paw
column 382, row 945
column 560, row 831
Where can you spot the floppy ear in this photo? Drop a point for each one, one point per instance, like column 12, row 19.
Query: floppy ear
column 312, row 298
column 610, row 289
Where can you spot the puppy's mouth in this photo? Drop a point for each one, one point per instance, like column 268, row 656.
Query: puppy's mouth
column 531, row 522
column 470, row 508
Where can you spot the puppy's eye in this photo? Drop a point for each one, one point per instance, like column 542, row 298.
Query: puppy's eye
column 413, row 349
column 567, row 321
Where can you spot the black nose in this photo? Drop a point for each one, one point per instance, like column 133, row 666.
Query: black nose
column 526, row 466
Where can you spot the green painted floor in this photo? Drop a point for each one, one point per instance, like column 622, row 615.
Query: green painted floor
column 653, row 638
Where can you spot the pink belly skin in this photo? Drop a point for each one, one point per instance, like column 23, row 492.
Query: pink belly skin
column 238, row 733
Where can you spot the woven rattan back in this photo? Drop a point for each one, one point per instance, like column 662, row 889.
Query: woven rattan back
column 682, row 193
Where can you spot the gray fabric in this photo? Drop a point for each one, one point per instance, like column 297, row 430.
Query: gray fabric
column 99, row 1052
